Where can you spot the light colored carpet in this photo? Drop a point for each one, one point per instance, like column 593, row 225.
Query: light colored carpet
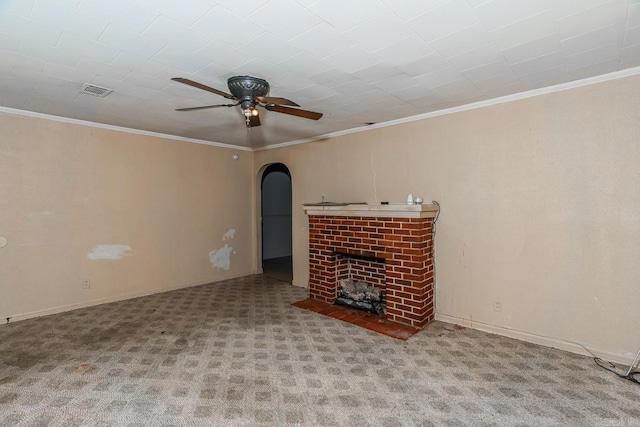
column 236, row 353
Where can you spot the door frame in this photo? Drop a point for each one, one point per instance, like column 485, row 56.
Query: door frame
column 258, row 216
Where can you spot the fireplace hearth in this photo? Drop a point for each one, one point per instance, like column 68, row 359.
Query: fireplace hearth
column 385, row 246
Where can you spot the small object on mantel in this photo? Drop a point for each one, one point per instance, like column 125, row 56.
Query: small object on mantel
column 384, row 203
column 417, row 200
column 410, row 199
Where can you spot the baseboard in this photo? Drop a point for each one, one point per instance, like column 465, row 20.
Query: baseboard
column 116, row 298
column 538, row 339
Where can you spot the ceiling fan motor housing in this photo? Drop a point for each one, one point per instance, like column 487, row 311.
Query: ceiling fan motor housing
column 247, row 87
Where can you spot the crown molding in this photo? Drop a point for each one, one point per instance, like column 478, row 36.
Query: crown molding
column 33, row 114
column 472, row 106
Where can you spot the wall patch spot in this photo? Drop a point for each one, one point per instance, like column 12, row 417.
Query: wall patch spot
column 109, row 252
column 221, row 258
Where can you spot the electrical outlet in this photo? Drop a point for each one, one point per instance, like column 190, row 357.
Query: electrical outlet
column 497, row 305
column 86, row 283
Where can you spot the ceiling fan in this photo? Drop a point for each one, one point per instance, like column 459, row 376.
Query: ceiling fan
column 250, row 92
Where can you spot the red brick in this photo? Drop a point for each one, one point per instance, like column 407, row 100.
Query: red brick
column 425, row 233
column 402, row 245
column 415, row 304
column 412, row 225
column 418, row 317
column 414, row 239
column 399, row 269
column 392, row 224
column 402, row 231
column 419, row 245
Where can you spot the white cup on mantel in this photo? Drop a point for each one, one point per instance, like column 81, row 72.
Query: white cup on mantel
column 417, row 201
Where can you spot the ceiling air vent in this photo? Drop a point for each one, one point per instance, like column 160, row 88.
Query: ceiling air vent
column 94, row 90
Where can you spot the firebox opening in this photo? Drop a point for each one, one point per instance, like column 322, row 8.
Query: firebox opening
column 361, row 282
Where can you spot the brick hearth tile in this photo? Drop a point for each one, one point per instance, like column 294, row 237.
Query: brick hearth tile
column 340, row 314
column 360, row 321
column 360, row 318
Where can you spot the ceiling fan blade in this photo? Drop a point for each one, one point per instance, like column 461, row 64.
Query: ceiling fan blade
column 254, row 121
column 294, row 111
column 275, row 100
column 203, row 87
column 205, row 107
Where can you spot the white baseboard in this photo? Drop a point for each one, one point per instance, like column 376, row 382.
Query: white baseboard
column 115, row 298
column 538, row 339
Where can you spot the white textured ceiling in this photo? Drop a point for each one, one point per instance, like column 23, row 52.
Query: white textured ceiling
column 356, row 61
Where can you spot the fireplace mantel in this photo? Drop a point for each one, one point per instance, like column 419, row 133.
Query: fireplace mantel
column 375, row 210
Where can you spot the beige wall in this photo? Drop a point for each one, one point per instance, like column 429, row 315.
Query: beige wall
column 66, row 188
column 540, row 209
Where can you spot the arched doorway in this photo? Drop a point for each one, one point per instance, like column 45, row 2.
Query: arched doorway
column 276, row 222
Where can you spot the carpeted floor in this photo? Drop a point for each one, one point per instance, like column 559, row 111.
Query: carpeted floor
column 237, row 353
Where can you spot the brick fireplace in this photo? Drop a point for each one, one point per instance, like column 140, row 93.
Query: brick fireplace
column 389, row 246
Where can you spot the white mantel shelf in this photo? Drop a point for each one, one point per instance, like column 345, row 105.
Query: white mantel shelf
column 375, row 210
